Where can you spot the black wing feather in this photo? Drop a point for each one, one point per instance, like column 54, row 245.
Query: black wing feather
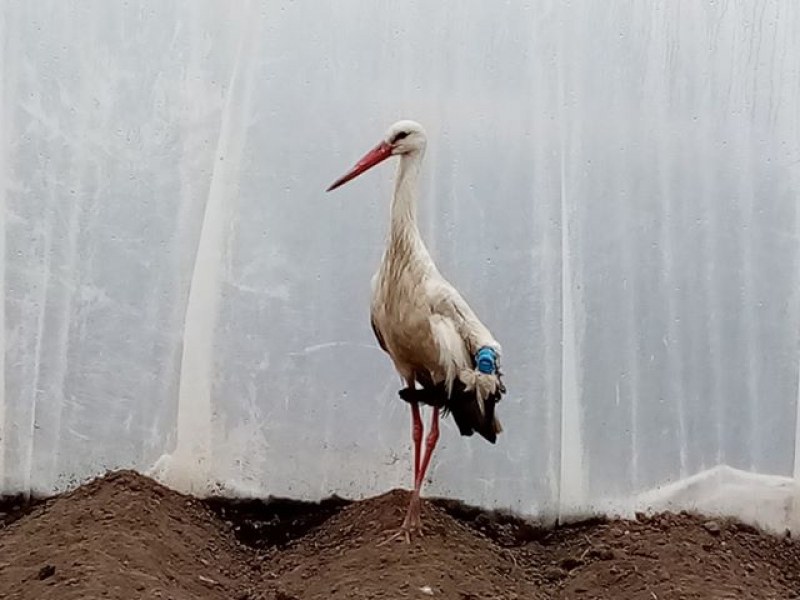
column 378, row 335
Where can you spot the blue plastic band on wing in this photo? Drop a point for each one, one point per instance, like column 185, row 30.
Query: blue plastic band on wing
column 487, row 360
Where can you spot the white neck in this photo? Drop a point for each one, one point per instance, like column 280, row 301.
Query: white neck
column 404, row 202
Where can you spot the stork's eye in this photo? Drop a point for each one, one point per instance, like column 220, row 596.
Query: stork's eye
column 399, row 136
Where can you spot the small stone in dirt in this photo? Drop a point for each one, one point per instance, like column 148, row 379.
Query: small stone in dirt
column 601, row 553
column 482, row 521
column 712, row 527
column 570, row 563
column 606, row 553
column 45, row 572
column 554, row 574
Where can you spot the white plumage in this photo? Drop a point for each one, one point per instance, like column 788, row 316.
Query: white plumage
column 423, row 323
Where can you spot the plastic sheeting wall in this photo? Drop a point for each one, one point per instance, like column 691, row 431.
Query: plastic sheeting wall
column 613, row 186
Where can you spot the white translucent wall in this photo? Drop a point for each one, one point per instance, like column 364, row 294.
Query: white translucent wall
column 612, row 185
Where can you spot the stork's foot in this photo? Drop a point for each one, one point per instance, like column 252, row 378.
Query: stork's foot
column 412, row 524
column 406, row 532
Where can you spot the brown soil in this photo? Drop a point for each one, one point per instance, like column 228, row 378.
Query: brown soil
column 125, row 536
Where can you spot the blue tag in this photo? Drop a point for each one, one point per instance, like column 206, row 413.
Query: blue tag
column 486, row 359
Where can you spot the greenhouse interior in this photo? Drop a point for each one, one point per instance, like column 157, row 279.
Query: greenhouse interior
column 578, row 263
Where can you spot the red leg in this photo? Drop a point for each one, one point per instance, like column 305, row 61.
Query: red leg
column 412, row 522
column 416, row 436
column 430, row 444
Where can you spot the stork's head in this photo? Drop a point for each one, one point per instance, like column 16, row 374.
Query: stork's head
column 404, row 137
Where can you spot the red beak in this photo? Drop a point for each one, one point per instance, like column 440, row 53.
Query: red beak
column 377, row 155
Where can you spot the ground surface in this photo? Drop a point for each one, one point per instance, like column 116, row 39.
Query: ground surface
column 124, row 536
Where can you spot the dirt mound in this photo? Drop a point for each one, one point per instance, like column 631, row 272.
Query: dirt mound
column 124, row 536
column 345, row 558
column 663, row 557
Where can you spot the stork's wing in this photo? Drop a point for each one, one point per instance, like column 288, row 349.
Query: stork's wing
column 378, row 335
column 472, row 394
column 375, row 330
column 448, row 303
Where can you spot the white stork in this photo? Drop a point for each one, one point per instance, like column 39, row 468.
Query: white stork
column 423, row 323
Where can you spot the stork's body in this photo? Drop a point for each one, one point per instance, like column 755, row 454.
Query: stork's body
column 431, row 334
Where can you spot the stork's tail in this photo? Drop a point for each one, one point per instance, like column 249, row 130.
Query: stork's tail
column 471, row 401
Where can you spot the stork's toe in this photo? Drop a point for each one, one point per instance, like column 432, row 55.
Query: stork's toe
column 412, row 524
